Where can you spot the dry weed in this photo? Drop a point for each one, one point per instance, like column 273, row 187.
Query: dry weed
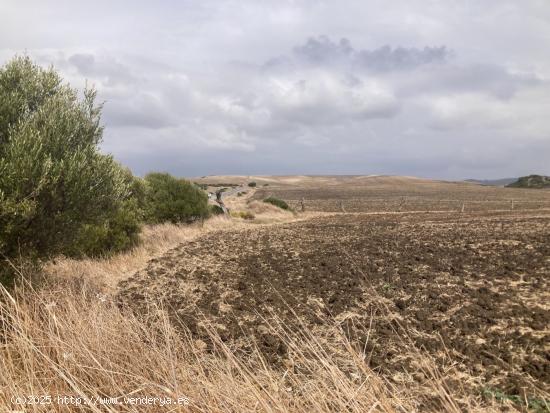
column 71, row 340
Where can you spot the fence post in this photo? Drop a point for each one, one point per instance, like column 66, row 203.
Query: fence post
column 342, row 206
column 401, row 203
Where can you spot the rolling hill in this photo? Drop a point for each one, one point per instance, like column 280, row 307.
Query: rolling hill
column 531, row 181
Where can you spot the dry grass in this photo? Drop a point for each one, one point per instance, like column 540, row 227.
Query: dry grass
column 264, row 212
column 70, row 340
column 155, row 240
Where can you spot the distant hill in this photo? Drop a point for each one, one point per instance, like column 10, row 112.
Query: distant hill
column 493, row 182
column 531, row 181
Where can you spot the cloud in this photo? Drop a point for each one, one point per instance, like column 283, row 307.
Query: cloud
column 323, row 97
column 361, row 86
column 385, row 58
column 522, row 117
column 494, row 80
column 106, row 69
column 322, row 51
column 317, row 98
column 262, row 106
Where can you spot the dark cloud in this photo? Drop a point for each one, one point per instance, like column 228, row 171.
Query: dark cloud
column 386, row 58
column 322, row 51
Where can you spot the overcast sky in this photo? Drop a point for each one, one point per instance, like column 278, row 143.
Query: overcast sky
column 444, row 89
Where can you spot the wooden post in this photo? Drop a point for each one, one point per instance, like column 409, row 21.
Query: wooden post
column 462, row 210
column 401, row 203
column 303, row 207
column 342, row 206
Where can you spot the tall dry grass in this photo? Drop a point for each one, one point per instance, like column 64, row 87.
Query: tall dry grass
column 71, row 340
column 154, row 241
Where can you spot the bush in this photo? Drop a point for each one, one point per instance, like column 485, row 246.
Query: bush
column 252, row 184
column 277, row 202
column 169, row 199
column 137, row 191
column 54, row 182
column 117, row 233
column 120, row 231
column 216, row 210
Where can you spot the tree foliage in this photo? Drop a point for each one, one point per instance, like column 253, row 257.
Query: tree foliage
column 277, row 202
column 171, row 199
column 55, row 185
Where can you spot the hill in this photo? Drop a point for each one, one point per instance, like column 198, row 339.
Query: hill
column 492, row 182
column 531, row 181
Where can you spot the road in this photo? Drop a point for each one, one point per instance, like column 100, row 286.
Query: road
column 229, row 192
column 232, row 191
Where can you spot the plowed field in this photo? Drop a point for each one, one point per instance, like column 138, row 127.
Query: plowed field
column 468, row 290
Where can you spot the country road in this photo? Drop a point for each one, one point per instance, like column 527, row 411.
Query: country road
column 233, row 191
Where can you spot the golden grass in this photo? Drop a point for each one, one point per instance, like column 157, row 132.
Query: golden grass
column 69, row 339
column 155, row 240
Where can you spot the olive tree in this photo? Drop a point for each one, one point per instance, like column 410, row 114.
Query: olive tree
column 54, row 182
column 169, row 199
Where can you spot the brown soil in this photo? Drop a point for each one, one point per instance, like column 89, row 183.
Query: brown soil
column 397, row 193
column 469, row 290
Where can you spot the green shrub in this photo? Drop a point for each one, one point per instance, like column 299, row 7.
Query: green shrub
column 120, row 231
column 117, row 233
column 54, row 182
column 137, row 190
column 252, row 184
column 216, row 210
column 169, row 199
column 28, row 267
column 277, row 202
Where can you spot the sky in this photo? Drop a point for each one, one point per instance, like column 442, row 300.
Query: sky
column 447, row 89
